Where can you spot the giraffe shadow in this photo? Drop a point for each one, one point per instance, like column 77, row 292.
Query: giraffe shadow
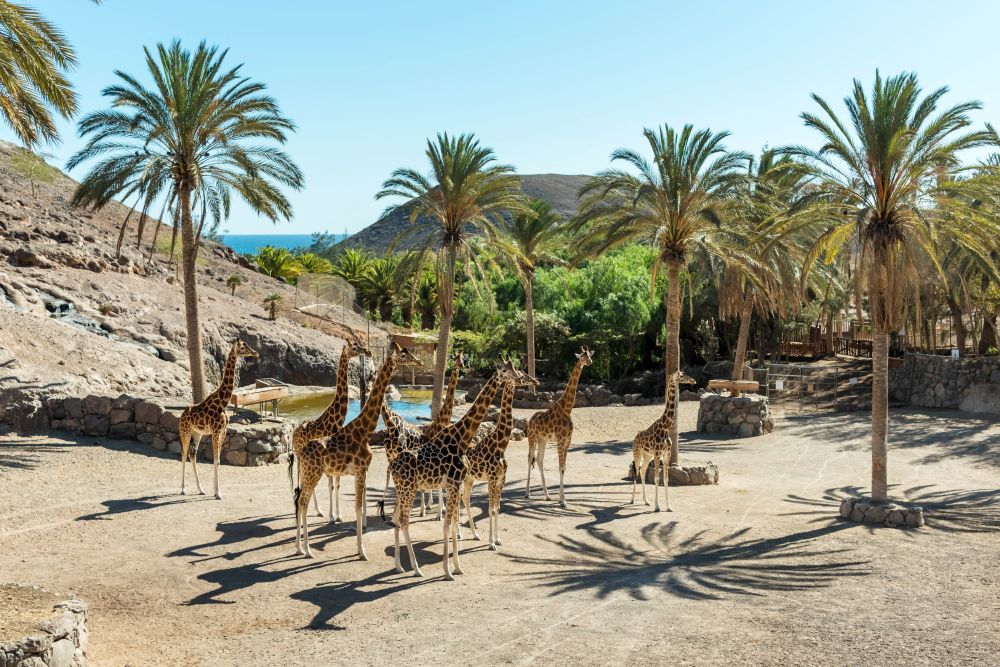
column 125, row 505
column 333, row 599
column 232, row 579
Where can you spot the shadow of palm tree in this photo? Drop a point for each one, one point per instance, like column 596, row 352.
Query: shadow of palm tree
column 948, row 433
column 334, row 598
column 950, row 510
column 124, row 505
column 27, row 454
column 694, row 567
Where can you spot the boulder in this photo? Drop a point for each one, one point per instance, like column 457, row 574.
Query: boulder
column 147, row 413
column 123, row 431
column 74, row 407
column 96, row 425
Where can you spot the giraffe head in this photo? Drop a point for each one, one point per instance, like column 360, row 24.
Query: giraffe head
column 355, row 348
column 585, row 356
column 403, row 355
column 525, row 380
column 461, row 361
column 683, row 378
column 243, row 350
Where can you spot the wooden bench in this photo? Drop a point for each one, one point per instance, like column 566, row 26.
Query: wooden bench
column 735, row 387
column 266, row 390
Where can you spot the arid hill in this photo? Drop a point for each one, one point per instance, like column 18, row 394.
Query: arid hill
column 559, row 190
column 75, row 318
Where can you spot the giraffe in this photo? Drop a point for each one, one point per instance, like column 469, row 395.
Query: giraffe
column 400, row 436
column 652, row 445
column 486, row 460
column 440, row 461
column 555, row 425
column 345, row 452
column 210, row 418
column 331, row 419
column 442, row 420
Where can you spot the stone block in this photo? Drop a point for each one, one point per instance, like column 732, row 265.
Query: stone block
column 94, row 424
column 517, row 434
column 74, row 407
column 875, row 515
column 120, row 415
column 98, row 405
column 123, row 402
column 235, row 457
column 746, row 430
column 123, row 431
column 57, row 409
column 236, row 442
column 159, row 443
column 169, row 421
column 259, row 447
column 63, row 651
column 175, row 448
column 145, row 438
column 147, row 413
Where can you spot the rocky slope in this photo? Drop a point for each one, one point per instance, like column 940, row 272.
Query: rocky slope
column 75, row 319
column 558, row 190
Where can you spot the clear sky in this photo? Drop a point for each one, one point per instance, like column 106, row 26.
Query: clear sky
column 551, row 86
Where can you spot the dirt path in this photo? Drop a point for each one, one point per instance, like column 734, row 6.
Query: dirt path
column 753, row 571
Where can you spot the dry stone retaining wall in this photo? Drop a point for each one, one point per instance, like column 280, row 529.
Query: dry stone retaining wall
column 745, row 416
column 932, row 381
column 127, row 418
column 62, row 641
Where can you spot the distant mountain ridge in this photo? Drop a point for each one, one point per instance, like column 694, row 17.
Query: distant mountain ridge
column 558, row 190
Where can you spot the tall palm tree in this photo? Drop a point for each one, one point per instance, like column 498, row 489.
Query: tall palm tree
column 532, row 238
column 278, row 263
column 880, row 168
column 381, row 285
column 353, row 265
column 675, row 203
column 466, row 190
column 35, row 58
column 310, row 262
column 191, row 139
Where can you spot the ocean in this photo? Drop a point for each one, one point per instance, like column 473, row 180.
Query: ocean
column 248, row 244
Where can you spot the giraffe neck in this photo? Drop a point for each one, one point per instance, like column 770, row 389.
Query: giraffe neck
column 505, row 421
column 444, row 416
column 228, row 382
column 467, row 426
column 670, row 403
column 364, row 423
column 565, row 403
column 335, row 414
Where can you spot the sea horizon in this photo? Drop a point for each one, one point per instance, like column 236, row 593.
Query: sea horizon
column 248, row 244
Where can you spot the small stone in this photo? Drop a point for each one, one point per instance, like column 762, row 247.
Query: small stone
column 236, row 442
column 517, row 434
column 95, row 425
column 147, row 413
column 145, row 438
column 123, row 402
column 746, row 430
column 896, row 518
column 74, row 407
column 846, row 507
column 98, row 405
column 857, row 515
column 175, row 447
column 62, row 653
column 235, row 457
column 159, row 443
column 169, row 421
column 875, row 515
column 120, row 416
column 259, row 447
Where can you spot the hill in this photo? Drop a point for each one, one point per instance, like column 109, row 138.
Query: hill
column 77, row 318
column 558, row 190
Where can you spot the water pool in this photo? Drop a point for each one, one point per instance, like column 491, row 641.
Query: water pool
column 412, row 405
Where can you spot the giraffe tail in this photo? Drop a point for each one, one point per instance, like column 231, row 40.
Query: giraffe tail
column 297, row 495
column 291, row 463
column 381, row 512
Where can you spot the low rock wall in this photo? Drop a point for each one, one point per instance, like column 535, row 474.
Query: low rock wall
column 61, row 641
column 247, row 443
column 745, row 416
column 931, row 381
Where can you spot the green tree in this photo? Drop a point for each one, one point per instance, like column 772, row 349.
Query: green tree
column 278, row 263
column 533, row 237
column 466, row 190
column 272, row 303
column 380, row 285
column 675, row 203
column 880, row 169
column 232, row 282
column 193, row 140
column 34, row 167
column 36, row 58
column 312, row 263
column 353, row 265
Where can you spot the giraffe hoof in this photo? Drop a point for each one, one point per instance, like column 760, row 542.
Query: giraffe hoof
column 448, row 576
column 399, row 569
column 418, row 573
column 363, row 556
column 499, row 543
column 458, row 571
column 493, row 547
column 646, row 503
column 669, row 508
column 218, row 496
column 562, row 504
column 656, row 509
column 476, row 537
column 309, row 554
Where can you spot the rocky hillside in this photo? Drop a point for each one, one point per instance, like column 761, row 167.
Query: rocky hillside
column 74, row 318
column 558, row 190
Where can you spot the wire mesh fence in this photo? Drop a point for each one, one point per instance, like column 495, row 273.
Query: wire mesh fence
column 796, row 388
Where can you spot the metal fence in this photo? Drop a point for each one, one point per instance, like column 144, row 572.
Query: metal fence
column 794, row 388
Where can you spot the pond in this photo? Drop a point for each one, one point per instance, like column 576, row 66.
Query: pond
column 412, row 405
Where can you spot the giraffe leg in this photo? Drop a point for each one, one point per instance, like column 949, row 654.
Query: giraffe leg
column 468, row 508
column 185, row 434
column 656, row 482
column 563, row 451
column 531, row 464
column 495, row 486
column 217, row 439
column 541, row 468
column 310, row 478
column 440, row 503
column 401, row 520
column 319, row 512
column 359, row 509
column 635, row 472
column 449, row 530
column 666, row 481
column 641, row 471
column 423, row 504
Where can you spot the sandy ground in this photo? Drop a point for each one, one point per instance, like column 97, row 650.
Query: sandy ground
column 753, row 571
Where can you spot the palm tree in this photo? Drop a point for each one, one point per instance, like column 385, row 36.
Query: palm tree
column 425, row 300
column 278, row 263
column 381, row 284
column 191, row 139
column 532, row 238
column 880, row 170
column 466, row 190
column 35, row 58
column 310, row 262
column 272, row 302
column 232, row 282
column 676, row 203
column 353, row 265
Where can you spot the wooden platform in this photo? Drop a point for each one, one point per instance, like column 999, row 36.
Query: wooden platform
column 735, row 387
column 266, row 390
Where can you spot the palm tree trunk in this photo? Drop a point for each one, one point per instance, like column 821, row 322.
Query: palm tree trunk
column 529, row 314
column 446, row 303
column 880, row 414
column 671, row 345
column 189, row 247
column 741, row 341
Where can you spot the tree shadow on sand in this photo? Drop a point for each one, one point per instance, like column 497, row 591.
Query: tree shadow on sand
column 950, row 510
column 695, row 567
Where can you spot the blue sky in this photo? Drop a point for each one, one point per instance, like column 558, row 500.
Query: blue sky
column 551, row 86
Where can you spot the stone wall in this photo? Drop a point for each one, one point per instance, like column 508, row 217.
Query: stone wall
column 745, row 416
column 61, row 641
column 932, row 381
column 587, row 396
column 250, row 440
